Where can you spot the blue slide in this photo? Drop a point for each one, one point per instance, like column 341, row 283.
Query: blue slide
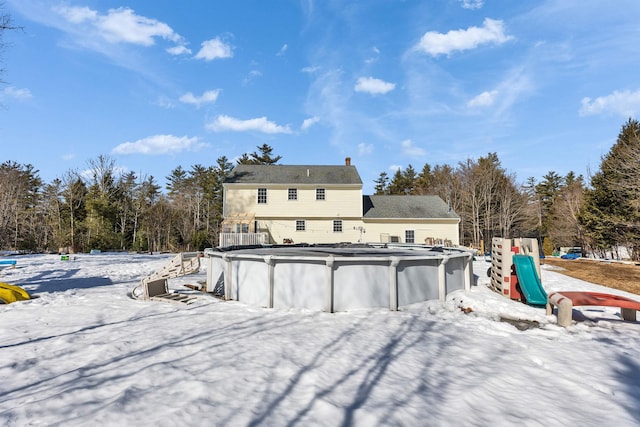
column 529, row 281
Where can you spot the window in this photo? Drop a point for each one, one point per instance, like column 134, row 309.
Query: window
column 241, row 228
column 293, row 194
column 319, row 193
column 262, row 196
column 301, row 225
column 337, row 226
column 409, row 236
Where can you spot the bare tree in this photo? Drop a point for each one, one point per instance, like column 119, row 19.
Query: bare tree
column 73, row 192
column 5, row 24
column 565, row 228
column 511, row 202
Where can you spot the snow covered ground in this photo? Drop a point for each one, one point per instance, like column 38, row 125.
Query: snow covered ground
column 85, row 353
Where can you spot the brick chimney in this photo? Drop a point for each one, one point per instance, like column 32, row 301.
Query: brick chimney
column 347, row 161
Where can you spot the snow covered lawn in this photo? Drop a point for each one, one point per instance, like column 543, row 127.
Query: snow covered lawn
column 84, row 353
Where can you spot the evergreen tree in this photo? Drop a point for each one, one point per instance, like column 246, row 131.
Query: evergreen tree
column 101, row 206
column 424, row 180
column 547, row 191
column 73, row 192
column 244, row 160
column 264, row 156
column 611, row 214
column 382, row 184
column 403, row 182
column 125, row 207
column 563, row 226
column 147, row 195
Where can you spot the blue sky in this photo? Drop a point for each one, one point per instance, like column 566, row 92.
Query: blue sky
column 157, row 84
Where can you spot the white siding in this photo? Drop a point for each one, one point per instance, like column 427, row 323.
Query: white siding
column 343, row 201
column 278, row 216
column 317, row 230
column 435, row 229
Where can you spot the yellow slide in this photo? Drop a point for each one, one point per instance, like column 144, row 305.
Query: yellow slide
column 11, row 293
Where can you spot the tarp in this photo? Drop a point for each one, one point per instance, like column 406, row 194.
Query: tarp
column 11, row 293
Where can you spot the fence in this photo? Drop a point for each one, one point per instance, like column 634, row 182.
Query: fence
column 241, row 239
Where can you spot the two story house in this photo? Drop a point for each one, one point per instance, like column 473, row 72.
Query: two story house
column 324, row 204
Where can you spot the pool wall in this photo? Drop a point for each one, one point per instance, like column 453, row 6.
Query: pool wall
column 337, row 280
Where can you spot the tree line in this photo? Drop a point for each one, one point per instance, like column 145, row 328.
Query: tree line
column 107, row 211
column 602, row 217
column 101, row 209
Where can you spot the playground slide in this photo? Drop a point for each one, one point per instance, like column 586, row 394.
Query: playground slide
column 529, row 281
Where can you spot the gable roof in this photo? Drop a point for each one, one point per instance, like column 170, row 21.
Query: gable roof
column 294, row 174
column 414, row 207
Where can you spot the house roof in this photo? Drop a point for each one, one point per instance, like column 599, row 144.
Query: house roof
column 294, row 174
column 414, row 207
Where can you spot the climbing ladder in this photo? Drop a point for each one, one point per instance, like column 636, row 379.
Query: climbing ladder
column 155, row 286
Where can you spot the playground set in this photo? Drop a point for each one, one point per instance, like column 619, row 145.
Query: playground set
column 515, row 273
column 515, row 270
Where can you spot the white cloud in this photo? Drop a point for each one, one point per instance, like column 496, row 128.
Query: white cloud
column 307, row 123
column 15, row 93
column 411, row 150
column 164, row 102
column 159, row 144
column 261, row 124
column 624, row 103
column 122, row 25
column 485, row 99
column 434, row 43
column 214, row 49
column 206, row 98
column 179, row 50
column 373, row 86
column 253, row 74
column 76, row 15
column 374, row 57
column 282, row 50
column 310, row 69
column 365, row 149
column 472, row 4
column 394, row 168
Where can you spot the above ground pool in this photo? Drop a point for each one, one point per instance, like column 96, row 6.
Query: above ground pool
column 337, row 278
